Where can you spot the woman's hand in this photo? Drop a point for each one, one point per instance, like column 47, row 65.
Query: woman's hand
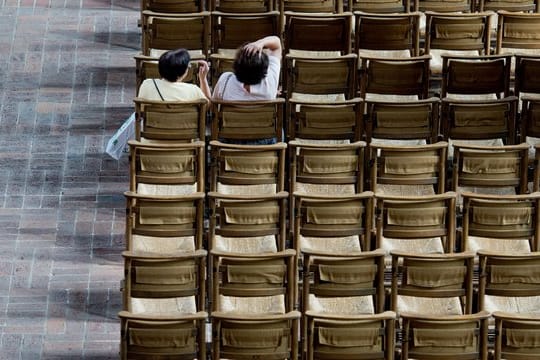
column 203, row 69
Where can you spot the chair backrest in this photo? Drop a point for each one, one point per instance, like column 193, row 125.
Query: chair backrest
column 387, row 32
column 409, row 165
column 328, row 275
column 238, row 217
column 380, row 6
column 433, row 276
column 178, row 121
column 254, row 276
column 172, row 276
column 515, row 335
column 481, row 119
column 150, row 336
column 166, row 169
column 340, row 120
column 490, row 166
column 470, row 75
column 445, row 337
column 173, row 6
column 443, row 6
column 318, row 32
column 247, row 166
column 339, row 164
column 518, row 31
column 243, row 6
column 507, row 223
column 173, row 31
column 331, row 79
column 509, row 275
column 247, row 120
column 333, row 224
column 164, row 224
column 351, row 336
column 146, row 67
column 303, row 6
column 427, row 222
column 527, row 78
column 229, row 30
column 392, row 76
column 402, row 120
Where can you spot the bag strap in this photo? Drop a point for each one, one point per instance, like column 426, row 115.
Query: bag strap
column 159, row 92
column 225, row 86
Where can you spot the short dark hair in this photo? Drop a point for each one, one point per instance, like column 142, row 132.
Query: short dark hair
column 173, row 64
column 250, row 68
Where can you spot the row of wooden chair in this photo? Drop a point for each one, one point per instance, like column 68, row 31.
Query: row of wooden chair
column 334, row 6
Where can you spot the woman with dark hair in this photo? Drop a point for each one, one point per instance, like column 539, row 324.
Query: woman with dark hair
column 173, row 68
column 256, row 72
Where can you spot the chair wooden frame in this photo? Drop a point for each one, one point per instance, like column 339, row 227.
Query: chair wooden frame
column 479, row 119
column 527, row 79
column 517, row 30
column 480, row 158
column 164, row 31
column 144, row 168
column 247, row 120
column 476, row 75
column 392, row 76
column 233, row 165
column 427, row 165
column 505, row 324
column 168, row 121
column 403, row 120
column 145, row 217
column 477, row 222
column 410, row 206
column 384, row 32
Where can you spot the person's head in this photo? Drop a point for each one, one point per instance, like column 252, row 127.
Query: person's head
column 173, row 64
column 250, row 68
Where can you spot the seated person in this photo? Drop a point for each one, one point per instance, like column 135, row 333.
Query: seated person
column 173, row 68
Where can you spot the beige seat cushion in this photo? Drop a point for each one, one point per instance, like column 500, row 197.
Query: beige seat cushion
column 341, row 305
column 180, row 305
column 162, row 245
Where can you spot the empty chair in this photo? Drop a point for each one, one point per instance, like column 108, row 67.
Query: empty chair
column 247, row 121
column 317, row 34
column 163, row 306
column 338, row 121
column 392, row 35
column 445, row 337
column 408, row 170
column 456, row 34
column 509, row 282
column 393, row 79
column 516, row 336
column 475, row 77
column 166, row 169
column 405, row 122
column 247, row 169
column 508, row 223
column 480, row 122
column 517, row 32
column 339, row 224
column 247, row 223
column 423, row 224
column 490, row 169
column 170, row 121
column 432, row 284
column 253, row 300
column 527, row 82
column 164, row 224
column 162, row 32
column 229, row 33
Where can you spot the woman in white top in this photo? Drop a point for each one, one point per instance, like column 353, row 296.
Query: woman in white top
column 173, row 66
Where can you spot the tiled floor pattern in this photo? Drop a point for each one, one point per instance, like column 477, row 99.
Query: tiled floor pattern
column 66, row 83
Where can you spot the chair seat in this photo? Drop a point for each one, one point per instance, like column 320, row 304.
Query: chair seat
column 253, row 305
column 326, row 98
column 194, row 54
column 324, row 189
column 246, row 189
column 339, row 244
column 475, row 243
column 404, row 190
column 486, row 142
column 160, row 189
column 431, row 306
column 246, row 245
column 422, row 246
column 316, row 54
column 180, row 305
column 522, row 305
column 436, row 61
column 342, row 305
column 162, row 245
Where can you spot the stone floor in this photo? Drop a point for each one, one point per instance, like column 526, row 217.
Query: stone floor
column 66, row 83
